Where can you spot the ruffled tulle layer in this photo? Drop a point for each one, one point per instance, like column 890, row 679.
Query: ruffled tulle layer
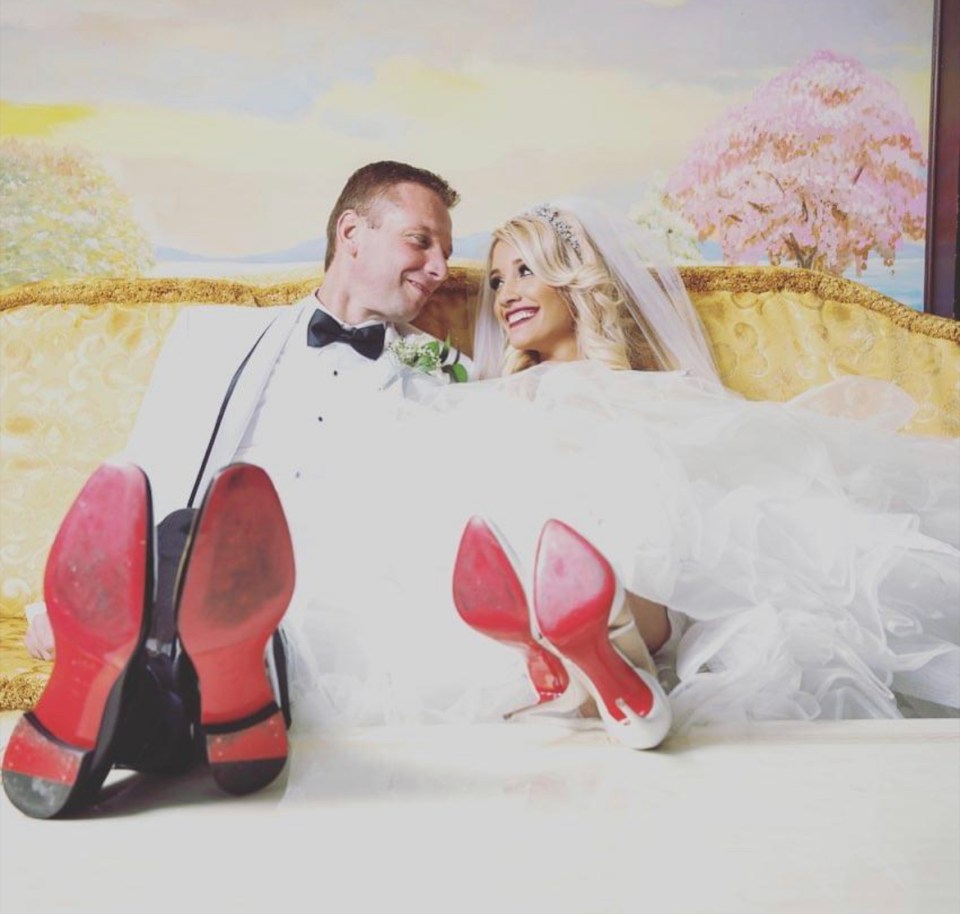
column 809, row 554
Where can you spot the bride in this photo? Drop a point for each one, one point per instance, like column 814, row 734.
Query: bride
column 794, row 560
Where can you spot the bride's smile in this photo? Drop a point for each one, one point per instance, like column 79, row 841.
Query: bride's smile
column 534, row 314
column 519, row 315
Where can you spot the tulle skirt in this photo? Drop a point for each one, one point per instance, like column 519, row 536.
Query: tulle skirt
column 808, row 554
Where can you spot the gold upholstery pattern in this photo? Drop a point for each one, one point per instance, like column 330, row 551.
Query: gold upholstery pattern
column 778, row 332
column 75, row 359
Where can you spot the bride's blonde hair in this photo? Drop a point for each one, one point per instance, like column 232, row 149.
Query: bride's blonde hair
column 605, row 330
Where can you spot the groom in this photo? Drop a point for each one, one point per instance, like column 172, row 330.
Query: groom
column 264, row 387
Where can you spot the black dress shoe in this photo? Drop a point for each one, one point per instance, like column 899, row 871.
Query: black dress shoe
column 97, row 588
column 236, row 583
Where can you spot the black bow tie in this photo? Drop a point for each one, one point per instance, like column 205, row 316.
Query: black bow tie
column 324, row 330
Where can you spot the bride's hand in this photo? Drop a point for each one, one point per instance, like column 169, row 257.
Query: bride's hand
column 39, row 638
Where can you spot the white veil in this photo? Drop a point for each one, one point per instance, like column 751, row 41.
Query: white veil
column 652, row 288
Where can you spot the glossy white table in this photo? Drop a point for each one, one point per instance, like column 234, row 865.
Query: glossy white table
column 824, row 817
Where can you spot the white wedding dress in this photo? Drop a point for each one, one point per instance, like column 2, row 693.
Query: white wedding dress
column 809, row 555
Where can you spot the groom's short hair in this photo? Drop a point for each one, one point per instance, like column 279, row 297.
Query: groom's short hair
column 368, row 184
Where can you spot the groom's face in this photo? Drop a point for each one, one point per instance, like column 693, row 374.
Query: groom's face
column 401, row 250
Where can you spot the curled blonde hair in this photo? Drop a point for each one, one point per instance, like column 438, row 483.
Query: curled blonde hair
column 606, row 332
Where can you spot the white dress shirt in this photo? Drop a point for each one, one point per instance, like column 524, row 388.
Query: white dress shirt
column 316, row 399
column 318, row 430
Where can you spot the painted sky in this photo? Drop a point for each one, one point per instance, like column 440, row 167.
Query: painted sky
column 232, row 125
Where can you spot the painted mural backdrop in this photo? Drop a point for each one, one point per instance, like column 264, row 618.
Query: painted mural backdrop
column 210, row 137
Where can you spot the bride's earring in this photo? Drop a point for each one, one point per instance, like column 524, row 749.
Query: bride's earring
column 576, row 596
column 490, row 597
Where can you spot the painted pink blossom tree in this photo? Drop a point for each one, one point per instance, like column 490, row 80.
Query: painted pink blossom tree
column 821, row 167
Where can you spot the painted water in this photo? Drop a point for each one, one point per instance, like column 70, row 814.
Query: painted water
column 904, row 283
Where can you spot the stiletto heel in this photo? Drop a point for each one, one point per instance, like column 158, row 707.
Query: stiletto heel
column 97, row 582
column 576, row 593
column 237, row 582
column 491, row 599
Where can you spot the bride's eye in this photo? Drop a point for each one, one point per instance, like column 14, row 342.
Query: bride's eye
column 524, row 270
column 495, row 283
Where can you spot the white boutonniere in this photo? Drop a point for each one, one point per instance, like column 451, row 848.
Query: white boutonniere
column 429, row 355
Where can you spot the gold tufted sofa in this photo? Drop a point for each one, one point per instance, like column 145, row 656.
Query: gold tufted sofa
column 75, row 359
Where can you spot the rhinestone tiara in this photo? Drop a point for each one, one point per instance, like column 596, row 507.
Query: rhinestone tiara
column 560, row 226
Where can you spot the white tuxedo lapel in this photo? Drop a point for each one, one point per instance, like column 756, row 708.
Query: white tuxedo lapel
column 248, row 390
column 180, row 405
column 183, row 400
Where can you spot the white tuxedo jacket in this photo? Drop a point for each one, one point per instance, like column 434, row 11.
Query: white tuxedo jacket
column 179, row 410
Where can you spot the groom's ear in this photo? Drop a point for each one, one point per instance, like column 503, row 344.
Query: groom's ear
column 348, row 228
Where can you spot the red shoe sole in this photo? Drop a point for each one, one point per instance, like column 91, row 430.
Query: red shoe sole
column 490, row 598
column 236, row 588
column 574, row 590
column 96, row 585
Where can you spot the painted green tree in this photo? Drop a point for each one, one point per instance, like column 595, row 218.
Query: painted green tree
column 654, row 213
column 64, row 218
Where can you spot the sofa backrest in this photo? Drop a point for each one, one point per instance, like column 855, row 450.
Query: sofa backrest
column 75, row 359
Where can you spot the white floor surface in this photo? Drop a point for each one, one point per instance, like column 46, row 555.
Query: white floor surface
column 790, row 817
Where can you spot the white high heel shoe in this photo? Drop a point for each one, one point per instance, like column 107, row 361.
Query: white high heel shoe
column 576, row 594
column 490, row 597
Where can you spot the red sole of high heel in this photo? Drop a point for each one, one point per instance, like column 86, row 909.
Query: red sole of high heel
column 96, row 585
column 237, row 585
column 574, row 590
column 490, row 598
